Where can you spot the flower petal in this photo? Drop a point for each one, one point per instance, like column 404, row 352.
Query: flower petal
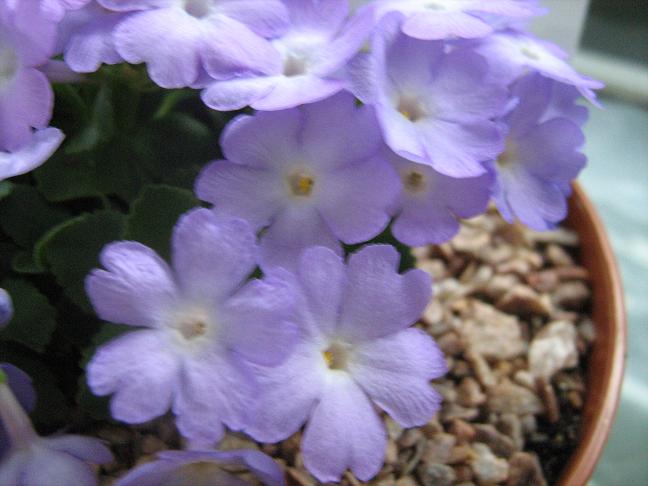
column 55, row 469
column 92, row 44
column 141, row 370
column 84, row 448
column 42, row 145
column 357, row 197
column 318, row 15
column 287, row 394
column 211, row 256
column 268, row 18
column 322, row 279
column 457, row 150
column 395, row 372
column 263, row 140
column 378, row 300
column 136, row 288
column 344, row 411
column 446, row 25
column 216, row 389
column 292, row 231
column 293, row 91
column 228, row 186
column 237, row 93
column 352, row 133
column 228, row 47
column 172, row 55
column 258, row 321
column 25, row 104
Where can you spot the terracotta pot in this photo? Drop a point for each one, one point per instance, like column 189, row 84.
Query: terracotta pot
column 607, row 360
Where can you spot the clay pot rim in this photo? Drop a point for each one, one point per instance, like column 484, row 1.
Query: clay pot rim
column 607, row 362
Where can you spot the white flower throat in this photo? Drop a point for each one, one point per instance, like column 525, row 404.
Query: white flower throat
column 197, row 8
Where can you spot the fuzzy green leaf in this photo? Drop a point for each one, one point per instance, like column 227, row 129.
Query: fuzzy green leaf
column 25, row 216
column 5, row 189
column 34, row 318
column 71, row 250
column 154, row 214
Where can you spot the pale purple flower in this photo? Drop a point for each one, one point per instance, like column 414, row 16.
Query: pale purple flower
column 449, row 19
column 202, row 468
column 21, row 386
column 41, row 145
column 6, row 304
column 435, row 107
column 180, row 40
column 202, row 327
column 318, row 43
column 86, row 37
column 542, row 153
column 430, row 203
column 357, row 353
column 35, row 461
column 312, row 175
column 26, row 99
column 512, row 54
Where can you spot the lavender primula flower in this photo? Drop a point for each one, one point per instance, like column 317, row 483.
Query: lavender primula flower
column 203, row 468
column 435, row 108
column 542, row 153
column 180, row 40
column 357, row 352
column 430, row 202
column 86, row 37
column 513, row 54
column 318, row 43
column 203, row 327
column 316, row 173
column 35, row 461
column 6, row 304
column 26, row 99
column 448, row 19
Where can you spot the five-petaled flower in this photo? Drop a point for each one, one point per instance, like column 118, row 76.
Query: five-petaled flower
column 203, row 327
column 435, row 108
column 312, row 175
column 357, row 351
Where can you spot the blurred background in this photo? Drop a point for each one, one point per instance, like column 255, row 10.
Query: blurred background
column 609, row 41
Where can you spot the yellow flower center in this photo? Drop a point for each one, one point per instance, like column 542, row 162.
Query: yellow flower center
column 414, row 181
column 193, row 328
column 509, row 156
column 411, row 108
column 336, row 356
column 301, row 184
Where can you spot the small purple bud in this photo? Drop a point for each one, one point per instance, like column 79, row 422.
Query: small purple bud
column 6, row 308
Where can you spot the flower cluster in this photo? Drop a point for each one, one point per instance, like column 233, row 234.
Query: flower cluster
column 400, row 115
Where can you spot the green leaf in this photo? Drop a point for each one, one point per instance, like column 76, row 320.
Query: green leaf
column 34, row 318
column 181, row 146
column 71, row 250
column 25, row 216
column 5, row 189
column 154, row 214
column 95, row 406
column 23, row 262
column 67, row 177
column 100, row 127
